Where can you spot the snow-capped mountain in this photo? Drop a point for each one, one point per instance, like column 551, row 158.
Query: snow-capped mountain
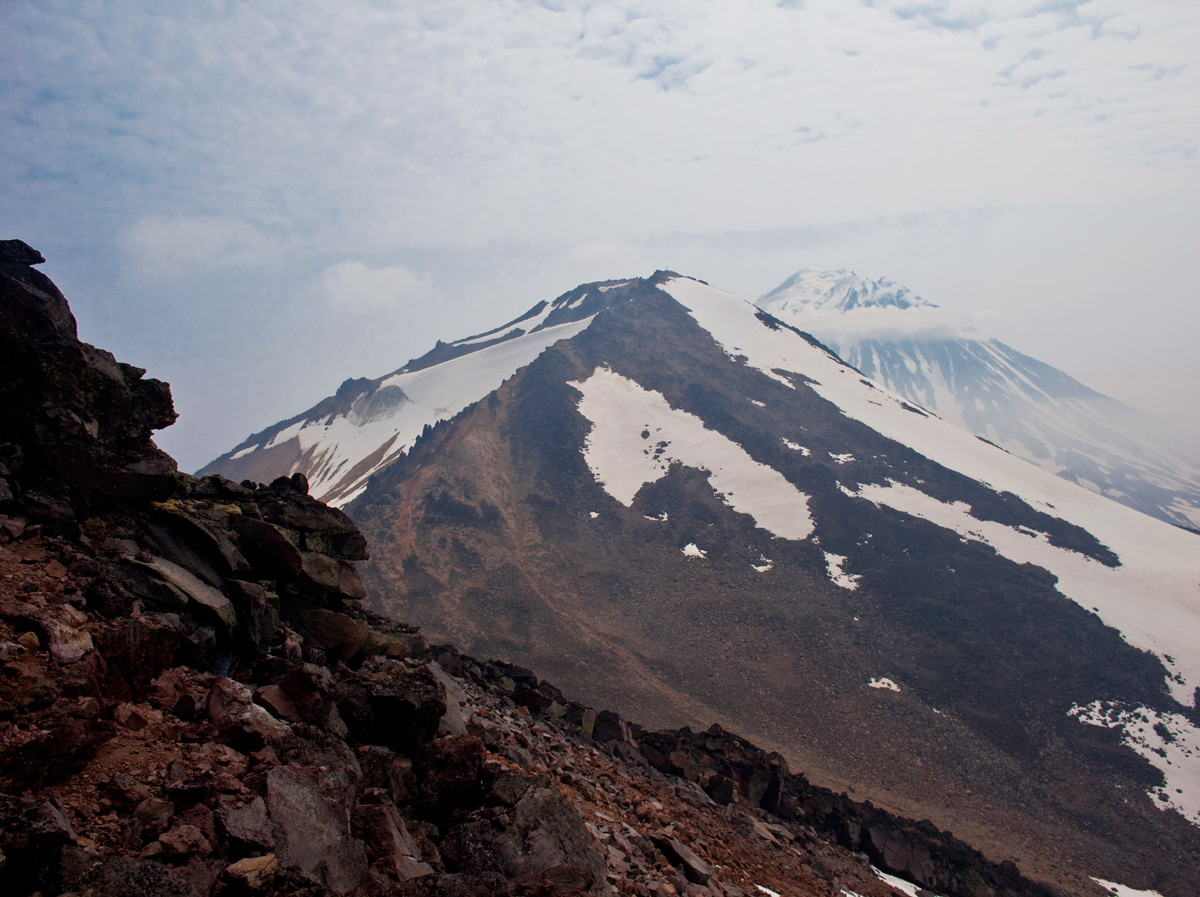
column 839, row 291
column 367, row 424
column 1021, row 404
column 679, row 506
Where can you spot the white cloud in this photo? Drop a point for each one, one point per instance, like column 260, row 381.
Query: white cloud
column 510, row 150
column 165, row 249
column 353, row 285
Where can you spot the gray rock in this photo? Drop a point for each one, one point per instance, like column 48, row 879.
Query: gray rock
column 312, row 813
column 212, row 601
column 543, row 831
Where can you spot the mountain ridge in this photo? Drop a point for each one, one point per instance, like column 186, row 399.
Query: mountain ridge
column 1023, row 620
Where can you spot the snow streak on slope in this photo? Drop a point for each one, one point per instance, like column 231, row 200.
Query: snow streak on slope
column 636, row 436
column 344, row 450
column 1117, row 890
column 1169, row 630
column 1153, row 599
column 1167, row 740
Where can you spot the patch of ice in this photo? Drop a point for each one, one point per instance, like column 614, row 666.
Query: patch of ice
column 1123, row 890
column 613, row 286
column 758, row 403
column 692, row 550
column 796, row 447
column 621, row 460
column 766, row 564
column 1168, row 741
column 883, row 683
column 841, row 459
column 243, row 453
column 593, row 514
column 833, row 563
column 767, row 891
column 904, row 887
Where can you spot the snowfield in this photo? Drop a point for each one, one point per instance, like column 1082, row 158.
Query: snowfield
column 1153, row 598
column 346, row 452
column 636, row 436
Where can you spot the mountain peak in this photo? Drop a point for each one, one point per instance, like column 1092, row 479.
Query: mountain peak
column 811, row 290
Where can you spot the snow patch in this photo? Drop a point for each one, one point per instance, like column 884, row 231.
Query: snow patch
column 767, row 891
column 765, row 565
column 841, row 459
column 796, row 447
column 758, row 403
column 593, row 514
column 1123, row 890
column 1168, row 741
column 883, row 683
column 692, row 550
column 904, row 887
column 1164, row 619
column 833, row 563
column 623, row 460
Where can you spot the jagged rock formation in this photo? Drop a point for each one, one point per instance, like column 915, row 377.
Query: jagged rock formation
column 194, row 702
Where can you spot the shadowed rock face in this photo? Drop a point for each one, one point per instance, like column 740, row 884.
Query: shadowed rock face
column 82, row 419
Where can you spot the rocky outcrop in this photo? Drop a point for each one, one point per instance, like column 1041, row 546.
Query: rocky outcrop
column 77, row 422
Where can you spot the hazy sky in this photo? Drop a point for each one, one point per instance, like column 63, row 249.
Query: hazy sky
column 257, row 200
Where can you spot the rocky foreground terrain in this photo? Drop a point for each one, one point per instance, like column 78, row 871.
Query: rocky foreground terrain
column 193, row 701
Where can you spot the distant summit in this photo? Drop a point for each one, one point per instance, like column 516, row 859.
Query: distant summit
column 841, row 290
column 1019, row 403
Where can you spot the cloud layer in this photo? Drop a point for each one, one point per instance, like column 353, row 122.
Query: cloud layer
column 454, row 163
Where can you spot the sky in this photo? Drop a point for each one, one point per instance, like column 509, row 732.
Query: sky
column 257, row 200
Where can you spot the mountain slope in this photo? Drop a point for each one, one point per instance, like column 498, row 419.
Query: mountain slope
column 690, row 511
column 1023, row 405
column 367, row 424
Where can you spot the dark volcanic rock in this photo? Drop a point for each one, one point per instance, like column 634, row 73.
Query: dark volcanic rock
column 82, row 419
column 542, row 832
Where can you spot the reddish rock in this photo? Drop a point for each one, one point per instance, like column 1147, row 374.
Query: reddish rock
column 450, row 773
column 255, row 874
column 183, row 841
column 238, row 719
column 247, row 823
